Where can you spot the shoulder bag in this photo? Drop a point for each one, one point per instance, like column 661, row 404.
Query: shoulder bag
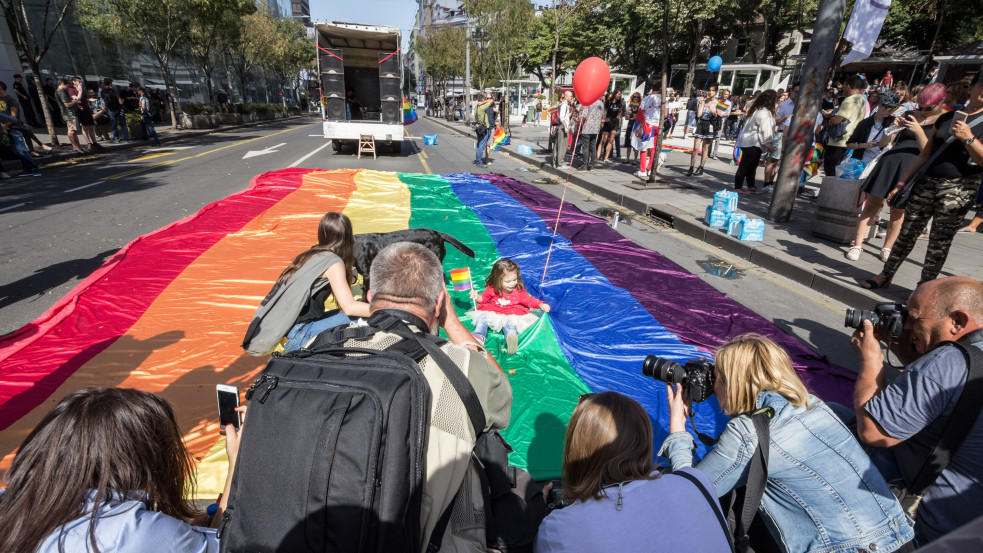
column 902, row 196
column 960, row 422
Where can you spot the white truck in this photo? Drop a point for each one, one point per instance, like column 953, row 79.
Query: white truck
column 361, row 75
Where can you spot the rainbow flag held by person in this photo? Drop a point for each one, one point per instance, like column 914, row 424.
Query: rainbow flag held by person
column 409, row 112
column 722, row 105
column 737, row 147
column 499, row 138
column 634, row 105
column 461, row 279
column 817, row 158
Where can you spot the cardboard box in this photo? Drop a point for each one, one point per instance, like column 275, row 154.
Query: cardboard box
column 715, row 218
column 725, row 200
column 752, row 230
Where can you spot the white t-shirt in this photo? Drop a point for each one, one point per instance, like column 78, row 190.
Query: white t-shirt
column 651, row 105
column 785, row 108
column 876, row 132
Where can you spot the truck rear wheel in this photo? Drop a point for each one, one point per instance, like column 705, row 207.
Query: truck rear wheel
column 397, row 148
column 336, row 145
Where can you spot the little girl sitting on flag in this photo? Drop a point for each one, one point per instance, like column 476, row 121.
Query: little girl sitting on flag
column 504, row 305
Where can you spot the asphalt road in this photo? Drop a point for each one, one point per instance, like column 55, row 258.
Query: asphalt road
column 59, row 228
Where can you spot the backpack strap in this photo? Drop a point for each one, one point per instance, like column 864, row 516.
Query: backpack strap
column 962, row 419
column 757, row 478
column 713, row 504
column 454, row 375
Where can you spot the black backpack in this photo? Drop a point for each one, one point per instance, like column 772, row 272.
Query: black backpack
column 110, row 98
column 332, row 457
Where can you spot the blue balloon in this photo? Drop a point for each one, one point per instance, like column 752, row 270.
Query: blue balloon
column 714, row 63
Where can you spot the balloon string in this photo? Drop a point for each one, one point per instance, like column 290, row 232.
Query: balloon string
column 559, row 210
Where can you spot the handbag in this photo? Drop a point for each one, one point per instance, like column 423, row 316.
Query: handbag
column 902, row 196
column 960, row 422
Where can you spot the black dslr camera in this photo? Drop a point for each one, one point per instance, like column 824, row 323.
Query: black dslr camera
column 887, row 318
column 696, row 376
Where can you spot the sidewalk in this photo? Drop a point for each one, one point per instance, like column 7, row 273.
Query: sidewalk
column 788, row 249
column 167, row 133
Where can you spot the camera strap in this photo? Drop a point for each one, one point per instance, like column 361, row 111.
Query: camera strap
column 962, row 419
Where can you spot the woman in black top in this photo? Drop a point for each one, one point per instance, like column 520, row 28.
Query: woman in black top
column 614, row 110
column 630, row 113
column 946, row 192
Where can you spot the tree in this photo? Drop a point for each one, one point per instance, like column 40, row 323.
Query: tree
column 33, row 42
column 245, row 44
column 210, row 21
column 505, row 26
column 288, row 51
column 162, row 25
column 441, row 48
column 561, row 13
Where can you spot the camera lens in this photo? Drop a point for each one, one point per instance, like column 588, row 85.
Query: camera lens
column 662, row 369
column 855, row 318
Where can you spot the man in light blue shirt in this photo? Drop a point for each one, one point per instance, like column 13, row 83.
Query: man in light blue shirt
column 909, row 414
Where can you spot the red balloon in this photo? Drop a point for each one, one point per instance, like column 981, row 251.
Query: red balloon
column 591, row 80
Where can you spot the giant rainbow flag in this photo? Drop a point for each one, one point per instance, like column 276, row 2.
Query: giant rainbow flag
column 168, row 311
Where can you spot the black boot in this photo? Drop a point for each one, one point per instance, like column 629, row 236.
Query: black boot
column 689, row 172
column 699, row 171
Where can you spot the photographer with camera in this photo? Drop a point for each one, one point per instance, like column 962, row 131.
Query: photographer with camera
column 812, row 487
column 616, row 499
column 925, row 425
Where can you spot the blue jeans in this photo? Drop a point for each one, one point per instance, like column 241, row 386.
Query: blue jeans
column 23, row 154
column 303, row 333
column 481, row 327
column 117, row 118
column 479, row 152
column 148, row 128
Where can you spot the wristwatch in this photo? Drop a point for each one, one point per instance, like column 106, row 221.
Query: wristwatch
column 969, row 140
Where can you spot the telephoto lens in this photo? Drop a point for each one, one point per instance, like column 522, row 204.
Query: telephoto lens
column 663, row 370
column 696, row 376
column 855, row 318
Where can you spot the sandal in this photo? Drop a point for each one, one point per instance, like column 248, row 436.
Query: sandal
column 885, row 254
column 872, row 284
column 854, row 252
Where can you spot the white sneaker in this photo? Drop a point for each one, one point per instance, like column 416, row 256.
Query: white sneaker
column 641, row 175
column 854, row 252
column 4, row 176
column 880, row 233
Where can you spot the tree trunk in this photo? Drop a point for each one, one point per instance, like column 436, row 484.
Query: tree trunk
column 175, row 104
column 693, row 55
column 45, row 106
column 935, row 39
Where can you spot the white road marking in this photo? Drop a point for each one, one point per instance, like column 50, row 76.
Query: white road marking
column 15, row 206
column 303, row 159
column 270, row 150
column 86, row 186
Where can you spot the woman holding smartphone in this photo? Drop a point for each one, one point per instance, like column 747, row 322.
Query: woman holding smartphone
column 910, row 132
column 107, row 470
column 946, row 191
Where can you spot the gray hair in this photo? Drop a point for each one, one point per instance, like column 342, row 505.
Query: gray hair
column 406, row 272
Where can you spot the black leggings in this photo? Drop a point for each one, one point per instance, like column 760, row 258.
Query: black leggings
column 750, row 157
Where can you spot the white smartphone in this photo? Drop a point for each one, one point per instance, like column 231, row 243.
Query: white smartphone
column 228, row 400
column 959, row 116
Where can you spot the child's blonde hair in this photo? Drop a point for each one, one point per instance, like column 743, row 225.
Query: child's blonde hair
column 750, row 364
column 501, row 268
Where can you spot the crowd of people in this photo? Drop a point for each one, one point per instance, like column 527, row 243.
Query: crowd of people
column 89, row 112
column 107, row 467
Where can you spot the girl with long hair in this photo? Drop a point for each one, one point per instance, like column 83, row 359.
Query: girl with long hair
column 760, row 129
column 106, row 470
column 616, row 498
column 822, row 492
column 504, row 305
column 633, row 102
column 313, row 294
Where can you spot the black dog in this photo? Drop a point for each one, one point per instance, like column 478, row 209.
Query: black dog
column 368, row 245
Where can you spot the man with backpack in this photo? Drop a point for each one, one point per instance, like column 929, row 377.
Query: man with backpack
column 115, row 110
column 363, row 440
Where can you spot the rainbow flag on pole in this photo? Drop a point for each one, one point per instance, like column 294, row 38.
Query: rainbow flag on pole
column 499, row 138
column 461, row 279
column 409, row 112
column 722, row 105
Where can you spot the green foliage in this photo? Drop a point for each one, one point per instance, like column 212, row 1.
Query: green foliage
column 442, row 50
column 913, row 24
column 197, row 108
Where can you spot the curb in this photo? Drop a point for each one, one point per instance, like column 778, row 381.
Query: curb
column 777, row 262
column 60, row 157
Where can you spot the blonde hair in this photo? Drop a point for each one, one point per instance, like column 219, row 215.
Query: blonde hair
column 608, row 441
column 750, row 364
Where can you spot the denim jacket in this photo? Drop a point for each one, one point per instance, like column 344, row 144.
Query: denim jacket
column 823, row 494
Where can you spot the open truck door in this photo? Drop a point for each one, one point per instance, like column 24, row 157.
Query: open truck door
column 365, row 60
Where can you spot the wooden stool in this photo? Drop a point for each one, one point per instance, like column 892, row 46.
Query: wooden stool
column 366, row 143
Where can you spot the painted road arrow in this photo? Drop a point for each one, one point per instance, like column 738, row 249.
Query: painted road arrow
column 270, row 150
